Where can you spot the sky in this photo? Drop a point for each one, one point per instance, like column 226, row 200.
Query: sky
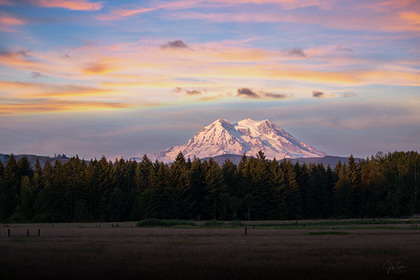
column 124, row 78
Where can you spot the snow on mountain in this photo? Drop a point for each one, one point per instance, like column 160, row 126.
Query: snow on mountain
column 244, row 137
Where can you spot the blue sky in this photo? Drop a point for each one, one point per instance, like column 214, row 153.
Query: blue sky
column 122, row 78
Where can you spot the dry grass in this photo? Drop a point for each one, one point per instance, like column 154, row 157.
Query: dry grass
column 126, row 252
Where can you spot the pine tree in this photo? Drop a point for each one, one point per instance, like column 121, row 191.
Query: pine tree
column 25, row 208
column 343, row 194
column 196, row 192
column 216, row 188
column 292, row 195
column 9, row 189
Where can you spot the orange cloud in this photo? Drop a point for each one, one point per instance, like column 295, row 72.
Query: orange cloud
column 78, row 5
column 174, row 5
column 7, row 22
column 44, row 90
column 186, row 4
column 388, row 22
column 121, row 13
column 5, row 2
column 141, row 73
column 15, row 58
column 288, row 4
column 411, row 17
column 50, row 105
column 98, row 68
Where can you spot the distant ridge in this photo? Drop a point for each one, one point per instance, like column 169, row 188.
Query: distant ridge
column 221, row 159
column 33, row 158
column 327, row 160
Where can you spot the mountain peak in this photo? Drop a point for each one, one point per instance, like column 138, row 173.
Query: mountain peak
column 247, row 136
column 221, row 122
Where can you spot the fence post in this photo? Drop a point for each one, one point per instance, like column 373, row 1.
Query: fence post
column 39, row 232
column 27, row 232
column 8, row 232
column 246, row 230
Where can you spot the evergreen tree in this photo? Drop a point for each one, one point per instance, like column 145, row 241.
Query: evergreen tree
column 9, row 189
column 292, row 194
column 196, row 193
column 25, row 208
column 218, row 198
column 343, row 194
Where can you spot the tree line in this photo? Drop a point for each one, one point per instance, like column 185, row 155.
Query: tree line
column 257, row 188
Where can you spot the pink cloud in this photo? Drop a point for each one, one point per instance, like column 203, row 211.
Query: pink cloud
column 121, row 13
column 78, row 5
column 7, row 22
column 400, row 22
column 5, row 2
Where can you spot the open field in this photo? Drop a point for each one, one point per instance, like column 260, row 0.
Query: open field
column 341, row 249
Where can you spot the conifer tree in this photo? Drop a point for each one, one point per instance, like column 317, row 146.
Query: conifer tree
column 9, row 189
column 216, row 188
column 343, row 194
column 292, row 194
column 25, row 208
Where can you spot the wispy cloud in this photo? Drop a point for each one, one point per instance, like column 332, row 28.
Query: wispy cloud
column 188, row 91
column 121, row 13
column 297, row 52
column 246, row 92
column 8, row 22
column 44, row 90
column 250, row 93
column 76, row 5
column 276, row 95
column 36, row 75
column 411, row 17
column 341, row 19
column 98, row 68
column 177, row 44
column 52, row 105
column 318, row 94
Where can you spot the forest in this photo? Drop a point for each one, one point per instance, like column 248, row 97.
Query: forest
column 384, row 185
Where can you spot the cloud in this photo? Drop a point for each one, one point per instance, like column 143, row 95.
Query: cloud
column 97, row 68
column 296, row 52
column 285, row 4
column 411, row 17
column 215, row 65
column 19, row 58
column 36, row 75
column 52, row 105
column 321, row 94
column 121, row 13
column 193, row 92
column 20, row 53
column 76, row 5
column 188, row 91
column 44, row 90
column 348, row 94
column 344, row 49
column 177, row 44
column 318, row 94
column 117, row 14
column 246, row 92
column 343, row 19
column 8, row 22
column 275, row 95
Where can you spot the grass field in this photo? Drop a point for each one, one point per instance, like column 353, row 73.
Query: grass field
column 322, row 249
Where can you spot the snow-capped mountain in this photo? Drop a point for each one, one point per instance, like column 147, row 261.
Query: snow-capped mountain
column 244, row 137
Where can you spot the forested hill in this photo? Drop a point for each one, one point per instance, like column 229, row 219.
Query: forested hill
column 327, row 160
column 33, row 158
column 256, row 188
